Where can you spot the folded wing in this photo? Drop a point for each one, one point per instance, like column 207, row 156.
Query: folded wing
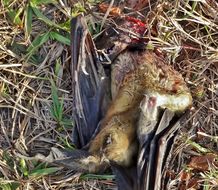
column 88, row 83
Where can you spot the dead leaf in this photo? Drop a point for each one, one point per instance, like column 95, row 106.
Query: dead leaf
column 114, row 11
column 171, row 174
column 189, row 183
column 193, row 183
column 137, row 5
column 202, row 163
column 185, row 176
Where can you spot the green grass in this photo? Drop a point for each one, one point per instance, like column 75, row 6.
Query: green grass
column 96, row 176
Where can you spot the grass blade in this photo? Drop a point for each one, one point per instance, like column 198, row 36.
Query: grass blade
column 23, row 167
column 44, row 2
column 57, row 107
column 6, row 2
column 8, row 185
column 60, row 38
column 28, row 20
column 198, row 147
column 37, row 42
column 98, row 176
column 14, row 16
column 42, row 17
column 44, row 171
column 65, row 25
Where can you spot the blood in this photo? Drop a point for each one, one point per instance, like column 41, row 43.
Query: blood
column 152, row 102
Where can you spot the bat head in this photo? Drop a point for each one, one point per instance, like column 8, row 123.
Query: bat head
column 128, row 33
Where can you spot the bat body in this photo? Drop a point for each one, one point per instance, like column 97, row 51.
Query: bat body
column 139, row 92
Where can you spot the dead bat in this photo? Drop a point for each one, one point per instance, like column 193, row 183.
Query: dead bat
column 142, row 84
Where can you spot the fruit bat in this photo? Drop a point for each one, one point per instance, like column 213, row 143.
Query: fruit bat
column 122, row 117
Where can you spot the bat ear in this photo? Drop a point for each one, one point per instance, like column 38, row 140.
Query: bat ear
column 89, row 83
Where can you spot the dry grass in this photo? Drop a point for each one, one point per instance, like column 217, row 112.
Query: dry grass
column 187, row 33
column 36, row 98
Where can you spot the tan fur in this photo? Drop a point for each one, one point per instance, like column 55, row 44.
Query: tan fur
column 146, row 75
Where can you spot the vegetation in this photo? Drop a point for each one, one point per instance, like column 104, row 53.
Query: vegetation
column 36, row 95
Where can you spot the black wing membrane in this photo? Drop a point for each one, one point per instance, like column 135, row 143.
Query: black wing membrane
column 88, row 82
column 126, row 178
column 155, row 152
column 164, row 150
column 151, row 167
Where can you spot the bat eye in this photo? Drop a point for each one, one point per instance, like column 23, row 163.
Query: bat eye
column 108, row 139
column 110, row 49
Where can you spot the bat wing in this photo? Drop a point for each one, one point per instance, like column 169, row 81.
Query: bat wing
column 164, row 149
column 126, row 178
column 88, row 83
column 147, row 175
column 154, row 155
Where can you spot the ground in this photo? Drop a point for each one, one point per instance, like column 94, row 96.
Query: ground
column 36, row 93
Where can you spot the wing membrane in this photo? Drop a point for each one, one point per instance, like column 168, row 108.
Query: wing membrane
column 88, row 82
